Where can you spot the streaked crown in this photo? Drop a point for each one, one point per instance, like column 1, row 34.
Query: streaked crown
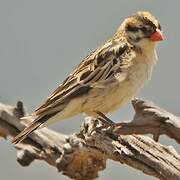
column 140, row 26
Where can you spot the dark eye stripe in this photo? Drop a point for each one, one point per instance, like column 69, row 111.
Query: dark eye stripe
column 137, row 28
column 132, row 28
column 143, row 28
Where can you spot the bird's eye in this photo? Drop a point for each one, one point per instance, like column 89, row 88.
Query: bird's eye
column 132, row 28
column 137, row 28
column 143, row 28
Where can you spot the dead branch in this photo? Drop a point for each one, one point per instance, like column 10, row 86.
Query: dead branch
column 151, row 119
column 82, row 155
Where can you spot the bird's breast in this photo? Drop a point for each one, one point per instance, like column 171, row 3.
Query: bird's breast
column 118, row 93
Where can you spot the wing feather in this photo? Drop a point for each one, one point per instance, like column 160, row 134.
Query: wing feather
column 100, row 65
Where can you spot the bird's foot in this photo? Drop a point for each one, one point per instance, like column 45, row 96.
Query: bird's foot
column 105, row 120
column 107, row 123
column 107, row 126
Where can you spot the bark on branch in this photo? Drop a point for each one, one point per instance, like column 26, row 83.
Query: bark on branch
column 82, row 155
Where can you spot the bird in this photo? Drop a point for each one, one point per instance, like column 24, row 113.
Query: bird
column 107, row 78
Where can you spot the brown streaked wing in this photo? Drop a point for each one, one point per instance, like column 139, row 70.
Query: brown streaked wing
column 100, row 65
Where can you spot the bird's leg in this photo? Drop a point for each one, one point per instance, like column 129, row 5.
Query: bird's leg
column 107, row 123
column 105, row 120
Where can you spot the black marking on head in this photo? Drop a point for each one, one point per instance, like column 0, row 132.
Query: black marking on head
column 146, row 21
column 132, row 28
column 145, row 25
column 140, row 26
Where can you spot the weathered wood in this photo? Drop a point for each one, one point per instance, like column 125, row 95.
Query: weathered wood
column 82, row 155
column 151, row 119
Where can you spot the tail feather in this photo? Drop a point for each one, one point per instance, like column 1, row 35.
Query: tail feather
column 22, row 135
column 35, row 124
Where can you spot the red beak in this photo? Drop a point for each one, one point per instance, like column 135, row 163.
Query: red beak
column 157, row 36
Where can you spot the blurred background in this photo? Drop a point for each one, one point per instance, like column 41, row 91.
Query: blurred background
column 42, row 41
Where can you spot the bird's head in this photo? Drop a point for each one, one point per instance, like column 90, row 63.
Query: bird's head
column 142, row 29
